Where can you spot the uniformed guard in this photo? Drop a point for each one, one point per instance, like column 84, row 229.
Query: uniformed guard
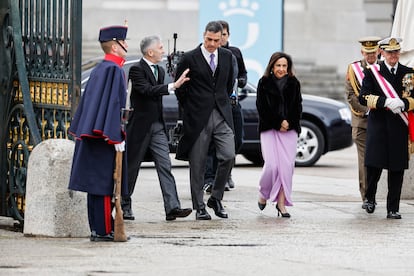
column 353, row 83
column 97, row 128
column 387, row 132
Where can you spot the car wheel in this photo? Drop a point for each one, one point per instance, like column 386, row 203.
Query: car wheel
column 310, row 145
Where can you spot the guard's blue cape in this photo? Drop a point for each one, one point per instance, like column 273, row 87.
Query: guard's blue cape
column 96, row 126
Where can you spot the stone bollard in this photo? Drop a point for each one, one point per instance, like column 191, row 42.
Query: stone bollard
column 408, row 184
column 53, row 210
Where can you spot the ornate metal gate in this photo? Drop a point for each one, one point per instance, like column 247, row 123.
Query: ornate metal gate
column 40, row 70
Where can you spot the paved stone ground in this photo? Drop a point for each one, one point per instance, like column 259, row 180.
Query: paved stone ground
column 328, row 234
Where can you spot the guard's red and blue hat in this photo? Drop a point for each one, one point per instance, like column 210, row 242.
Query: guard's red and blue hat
column 113, row 33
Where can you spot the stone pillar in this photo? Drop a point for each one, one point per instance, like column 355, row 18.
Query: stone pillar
column 408, row 184
column 53, row 210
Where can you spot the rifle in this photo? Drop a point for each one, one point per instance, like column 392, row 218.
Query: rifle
column 119, row 228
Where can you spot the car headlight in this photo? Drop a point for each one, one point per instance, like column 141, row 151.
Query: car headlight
column 345, row 114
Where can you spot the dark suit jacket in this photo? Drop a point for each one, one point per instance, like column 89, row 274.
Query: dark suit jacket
column 387, row 134
column 146, row 100
column 241, row 68
column 202, row 93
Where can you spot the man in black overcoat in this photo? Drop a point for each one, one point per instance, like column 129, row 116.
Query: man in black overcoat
column 146, row 128
column 207, row 117
column 387, row 131
column 240, row 74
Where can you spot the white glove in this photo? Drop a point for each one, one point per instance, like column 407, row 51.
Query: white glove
column 120, row 147
column 401, row 104
column 394, row 103
column 396, row 110
column 388, row 102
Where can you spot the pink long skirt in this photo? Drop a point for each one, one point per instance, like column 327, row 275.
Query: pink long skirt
column 279, row 152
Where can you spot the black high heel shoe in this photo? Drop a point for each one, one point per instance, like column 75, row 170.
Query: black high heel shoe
column 261, row 205
column 284, row 215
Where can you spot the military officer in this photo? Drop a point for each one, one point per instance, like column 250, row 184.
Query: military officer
column 353, row 83
column 387, row 132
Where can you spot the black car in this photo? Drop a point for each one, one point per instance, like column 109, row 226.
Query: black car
column 326, row 123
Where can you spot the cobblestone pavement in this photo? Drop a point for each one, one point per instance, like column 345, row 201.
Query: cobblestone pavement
column 328, row 233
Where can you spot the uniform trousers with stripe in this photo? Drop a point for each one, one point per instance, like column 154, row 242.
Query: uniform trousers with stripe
column 100, row 214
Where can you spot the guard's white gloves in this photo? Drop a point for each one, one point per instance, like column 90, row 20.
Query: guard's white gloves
column 120, row 147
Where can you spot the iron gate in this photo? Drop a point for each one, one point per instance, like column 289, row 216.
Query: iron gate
column 40, row 70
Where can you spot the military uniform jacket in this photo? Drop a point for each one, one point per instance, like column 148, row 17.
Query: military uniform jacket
column 359, row 111
column 97, row 127
column 387, row 133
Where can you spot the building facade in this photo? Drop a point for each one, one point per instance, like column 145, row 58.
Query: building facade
column 320, row 35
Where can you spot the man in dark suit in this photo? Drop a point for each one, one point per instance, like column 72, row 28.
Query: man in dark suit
column 240, row 74
column 387, row 132
column 146, row 128
column 207, row 117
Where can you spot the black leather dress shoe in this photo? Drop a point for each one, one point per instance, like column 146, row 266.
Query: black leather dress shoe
column 128, row 215
column 370, row 207
column 218, row 208
column 101, row 238
column 393, row 215
column 202, row 214
column 178, row 213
